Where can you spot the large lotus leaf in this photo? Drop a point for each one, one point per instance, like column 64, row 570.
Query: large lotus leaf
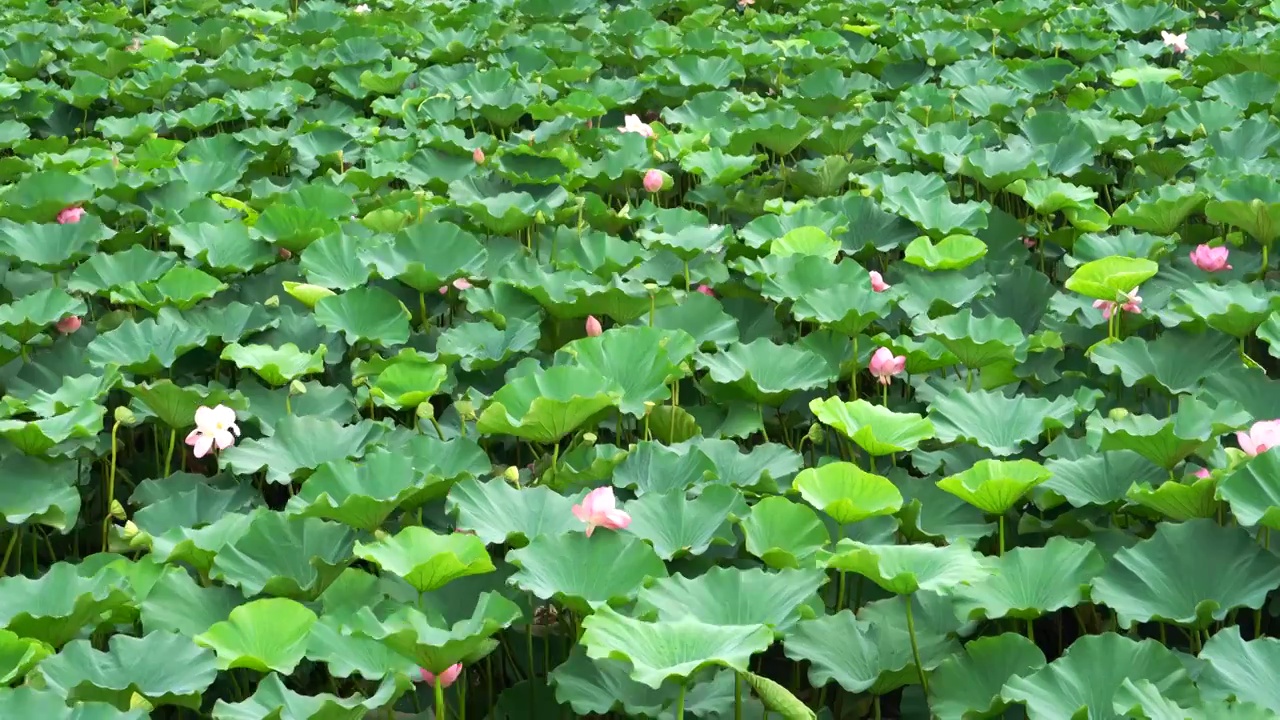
column 1110, row 278
column 600, row 685
column 904, row 569
column 482, row 345
column 1085, row 680
column 1237, row 670
column 936, row 627
column 18, row 655
column 273, row 701
column 765, row 372
column 1030, row 582
column 995, row 421
column 146, row 347
column 994, row 486
column 924, row 200
column 1177, row 500
column 1236, row 309
column 838, row 647
column 784, row 534
column 177, row 602
column 444, row 462
column 968, row 686
column 847, row 493
column 164, row 668
column 23, row 319
column 546, row 406
column 1165, row 361
column 40, row 436
column 640, row 361
column 758, row 470
column 276, row 366
column 673, row 648
column 702, row 317
column 346, row 654
column 428, row 255
column 977, row 341
column 732, row 596
column 585, row 573
column 874, row 428
column 285, row 556
column 28, row 702
column 1252, row 489
column 175, row 405
column 1189, row 573
column 360, row 494
column 58, row 605
column 181, row 287
column 431, row 644
column 52, row 246
column 1161, row 210
column 1250, row 202
column 40, row 491
column 1099, row 478
column 262, row 635
column 365, row 313
column 1166, row 441
column 300, row 443
column 953, row 252
column 426, row 560
column 676, row 524
column 499, row 513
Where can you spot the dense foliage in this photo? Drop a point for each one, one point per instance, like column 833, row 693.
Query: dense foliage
column 528, row 359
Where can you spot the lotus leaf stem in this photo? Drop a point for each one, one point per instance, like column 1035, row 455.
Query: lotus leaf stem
column 439, row 693
column 915, row 647
column 680, row 703
column 13, row 540
column 737, row 696
column 111, row 487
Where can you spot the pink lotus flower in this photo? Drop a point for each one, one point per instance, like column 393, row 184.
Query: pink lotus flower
column 884, row 365
column 1029, row 243
column 70, row 215
column 877, row 282
column 1132, row 304
column 1261, row 437
column 1203, row 473
column 446, row 678
column 599, row 509
column 705, row 290
column 632, row 124
column 460, row 284
column 653, row 181
column 1210, row 259
column 593, row 326
column 68, row 325
column 214, row 426
column 1178, row 43
column 478, row 156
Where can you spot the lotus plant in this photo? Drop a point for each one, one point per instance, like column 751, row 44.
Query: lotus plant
column 599, row 509
column 214, row 426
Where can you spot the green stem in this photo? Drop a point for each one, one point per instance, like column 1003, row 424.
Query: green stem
column 1002, row 536
column 8, row 551
column 856, row 367
column 840, row 593
column 111, row 486
column 680, row 704
column 168, row 458
column 737, row 697
column 915, row 648
column 439, row 698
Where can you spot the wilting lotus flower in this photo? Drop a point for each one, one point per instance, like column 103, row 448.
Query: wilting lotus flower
column 593, row 326
column 214, row 426
column 632, row 124
column 361, row 9
column 70, row 215
column 1210, row 259
column 460, row 284
column 705, row 290
column 1261, row 437
column 284, row 253
column 877, row 282
column 1178, row 43
column 653, row 181
column 884, row 365
column 134, row 46
column 1133, row 304
column 446, row 678
column 68, row 325
column 599, row 509
column 478, row 156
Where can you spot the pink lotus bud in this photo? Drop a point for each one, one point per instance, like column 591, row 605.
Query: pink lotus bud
column 478, row 156
column 70, row 215
column 593, row 326
column 705, row 290
column 68, row 325
column 877, row 282
column 653, row 181
column 447, row 677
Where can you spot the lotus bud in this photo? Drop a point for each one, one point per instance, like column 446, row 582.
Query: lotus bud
column 651, row 287
column 465, row 409
column 478, row 156
column 652, row 181
column 1118, row 413
column 1046, row 26
column 138, row 702
column 589, row 439
column 425, row 411
column 649, row 405
column 129, row 531
column 816, row 434
column 1031, row 112
column 117, row 510
column 273, row 301
column 297, row 388
column 511, row 474
column 380, row 534
column 124, row 416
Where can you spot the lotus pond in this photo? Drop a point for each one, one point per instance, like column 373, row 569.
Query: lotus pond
column 536, row 359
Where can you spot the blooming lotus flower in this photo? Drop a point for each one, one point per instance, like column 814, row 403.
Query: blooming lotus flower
column 1210, row 259
column 68, row 325
column 460, row 284
column 361, row 9
column 599, row 509
column 1203, row 473
column 478, row 156
column 877, row 282
column 632, row 124
column 214, row 426
column 446, row 678
column 1261, row 437
column 705, row 290
column 653, row 181
column 1178, row 43
column 884, row 365
column 593, row 326
column 70, row 215
column 1132, row 304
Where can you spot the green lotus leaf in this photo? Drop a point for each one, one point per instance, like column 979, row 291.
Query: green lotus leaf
column 1166, row 441
column 1252, row 490
column 1030, row 582
column 1101, row 478
column 273, row 700
column 147, row 347
column 777, row 698
column 874, row 428
column 1164, row 361
column 995, row 486
column 262, row 635
column 300, row 443
column 1171, row 575
column 425, row 560
column 965, row 686
column 1050, row 195
column 39, row 491
column 38, row 437
column 687, row 242
column 977, row 342
column 640, row 362
column 503, row 209
column 175, row 405
column 600, row 685
column 347, row 655
column 224, row 247
column 18, row 655
column 1177, row 501
column 277, row 366
column 179, row 604
column 936, row 625
column 360, row 494
column 730, row 596
column 107, row 271
column 1161, row 210
column 764, row 372
column 335, row 262
column 285, row 557
column 26, row 318
column 809, row 241
column 164, row 668
column 670, row 649
column 994, row 421
column 308, row 295
column 428, row 255
column 407, row 380
column 758, row 470
column 678, row 525
column 1236, row 309
column 546, row 406
column 365, row 313
column 52, row 246
column 1249, row 202
column 784, row 534
column 952, row 252
column 585, row 573
column 412, row 634
column 847, row 493
column 57, row 606
column 1110, row 278
column 925, row 201
column 716, row 167
column 838, row 647
column 483, row 346
column 180, row 287
column 1088, row 676
column 499, row 513
column 26, row 702
column 904, row 569
column 1233, row 669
